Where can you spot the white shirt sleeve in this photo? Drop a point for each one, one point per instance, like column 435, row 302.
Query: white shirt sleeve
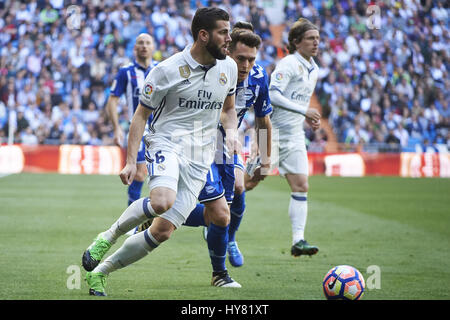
column 155, row 88
column 279, row 81
column 277, row 99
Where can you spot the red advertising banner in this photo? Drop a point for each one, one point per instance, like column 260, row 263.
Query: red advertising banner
column 76, row 159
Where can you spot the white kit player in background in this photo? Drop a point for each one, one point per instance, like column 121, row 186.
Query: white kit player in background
column 291, row 87
column 188, row 93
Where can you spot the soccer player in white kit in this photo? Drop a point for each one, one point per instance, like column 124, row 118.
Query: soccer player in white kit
column 291, row 87
column 187, row 94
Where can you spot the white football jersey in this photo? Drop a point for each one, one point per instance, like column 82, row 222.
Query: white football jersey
column 187, row 100
column 295, row 78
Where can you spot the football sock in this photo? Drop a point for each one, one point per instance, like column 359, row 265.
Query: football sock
column 138, row 212
column 196, row 217
column 133, row 249
column 134, row 191
column 298, row 211
column 237, row 213
column 217, row 245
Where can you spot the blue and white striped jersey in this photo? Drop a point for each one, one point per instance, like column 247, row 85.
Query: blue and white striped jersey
column 253, row 92
column 129, row 81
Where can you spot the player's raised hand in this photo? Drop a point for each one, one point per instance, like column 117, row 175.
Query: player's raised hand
column 313, row 114
column 118, row 137
column 128, row 173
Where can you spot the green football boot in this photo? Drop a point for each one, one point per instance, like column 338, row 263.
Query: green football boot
column 303, row 247
column 96, row 282
column 95, row 252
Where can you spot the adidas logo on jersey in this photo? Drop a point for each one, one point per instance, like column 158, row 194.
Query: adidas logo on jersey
column 185, row 82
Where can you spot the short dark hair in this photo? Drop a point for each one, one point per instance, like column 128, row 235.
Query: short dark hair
column 243, row 25
column 206, row 18
column 246, row 37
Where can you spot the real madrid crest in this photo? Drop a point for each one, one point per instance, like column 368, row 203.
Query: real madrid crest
column 223, row 79
column 300, row 70
column 185, row 72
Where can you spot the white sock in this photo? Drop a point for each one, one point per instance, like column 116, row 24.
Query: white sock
column 298, row 211
column 138, row 212
column 133, row 249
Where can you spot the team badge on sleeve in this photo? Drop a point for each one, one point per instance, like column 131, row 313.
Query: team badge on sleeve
column 223, row 79
column 279, row 76
column 148, row 89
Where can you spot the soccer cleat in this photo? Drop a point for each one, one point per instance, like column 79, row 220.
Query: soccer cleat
column 96, row 282
column 95, row 252
column 234, row 255
column 303, row 247
column 222, row 279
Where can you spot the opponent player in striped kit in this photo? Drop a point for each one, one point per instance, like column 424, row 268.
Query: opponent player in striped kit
column 187, row 94
column 129, row 81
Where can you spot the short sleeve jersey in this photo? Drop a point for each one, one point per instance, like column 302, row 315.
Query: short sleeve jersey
column 187, row 99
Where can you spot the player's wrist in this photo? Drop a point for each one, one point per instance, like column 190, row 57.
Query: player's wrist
column 131, row 161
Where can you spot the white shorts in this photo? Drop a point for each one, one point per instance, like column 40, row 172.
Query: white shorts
column 290, row 156
column 168, row 169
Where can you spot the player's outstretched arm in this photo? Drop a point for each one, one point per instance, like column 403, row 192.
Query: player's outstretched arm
column 281, row 101
column 137, row 128
column 264, row 136
column 111, row 109
column 229, row 122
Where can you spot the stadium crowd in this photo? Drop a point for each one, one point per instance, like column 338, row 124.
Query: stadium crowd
column 384, row 78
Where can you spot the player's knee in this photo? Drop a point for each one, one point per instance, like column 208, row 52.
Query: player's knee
column 220, row 216
column 301, row 187
column 161, row 234
column 162, row 199
column 161, row 206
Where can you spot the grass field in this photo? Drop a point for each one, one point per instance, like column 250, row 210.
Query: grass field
column 400, row 225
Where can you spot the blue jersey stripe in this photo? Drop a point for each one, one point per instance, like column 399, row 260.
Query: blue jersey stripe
column 157, row 113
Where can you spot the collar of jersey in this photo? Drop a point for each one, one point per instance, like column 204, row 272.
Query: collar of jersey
column 190, row 60
column 139, row 66
column 309, row 66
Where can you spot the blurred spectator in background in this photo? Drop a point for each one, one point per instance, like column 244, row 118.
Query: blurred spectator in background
column 55, row 63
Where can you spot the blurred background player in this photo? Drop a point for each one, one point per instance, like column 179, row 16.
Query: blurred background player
column 201, row 75
column 251, row 91
column 129, row 81
column 292, row 84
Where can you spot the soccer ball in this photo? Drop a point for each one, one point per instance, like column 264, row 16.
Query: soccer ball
column 343, row 283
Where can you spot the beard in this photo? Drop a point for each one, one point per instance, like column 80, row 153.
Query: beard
column 214, row 50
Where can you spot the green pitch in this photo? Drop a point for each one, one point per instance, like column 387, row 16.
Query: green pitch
column 394, row 230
